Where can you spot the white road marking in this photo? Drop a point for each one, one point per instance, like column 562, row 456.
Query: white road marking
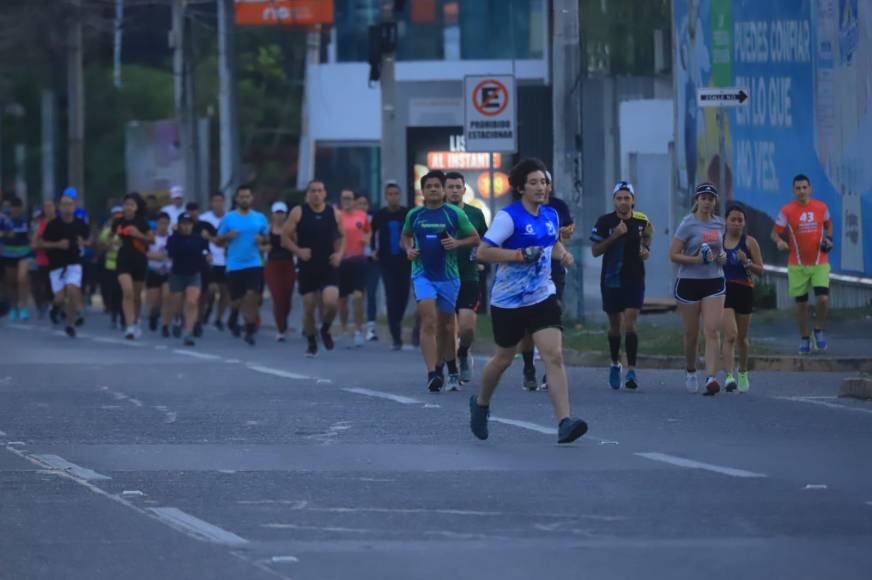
column 525, row 425
column 691, row 464
column 125, row 342
column 196, row 527
column 232, row 361
column 200, row 355
column 19, row 326
column 17, row 443
column 278, row 372
column 319, row 528
column 58, row 462
column 132, row 493
column 380, row 395
column 160, row 347
column 817, row 401
column 815, row 486
column 2, row 433
column 284, row 559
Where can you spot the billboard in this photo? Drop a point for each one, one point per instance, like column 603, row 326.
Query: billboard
column 807, row 66
column 283, row 12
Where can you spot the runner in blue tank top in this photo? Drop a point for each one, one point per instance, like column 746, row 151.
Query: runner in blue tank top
column 743, row 259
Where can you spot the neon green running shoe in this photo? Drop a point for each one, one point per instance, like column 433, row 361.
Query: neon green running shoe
column 744, row 385
column 729, row 383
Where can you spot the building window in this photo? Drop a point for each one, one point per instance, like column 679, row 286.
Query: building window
column 352, row 166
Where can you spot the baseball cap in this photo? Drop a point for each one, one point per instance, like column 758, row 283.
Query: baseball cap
column 176, row 192
column 116, row 209
column 705, row 188
column 279, row 206
column 624, row 185
column 71, row 192
column 548, row 176
column 186, row 217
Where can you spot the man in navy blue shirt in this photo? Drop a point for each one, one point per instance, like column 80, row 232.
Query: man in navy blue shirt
column 188, row 252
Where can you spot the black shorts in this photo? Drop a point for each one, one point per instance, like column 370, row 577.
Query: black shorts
column 155, row 280
column 246, row 280
column 624, row 298
column 13, row 262
column 352, row 276
column 215, row 275
column 512, row 324
column 136, row 265
column 315, row 276
column 740, row 297
column 693, row 290
column 558, row 276
column 469, row 296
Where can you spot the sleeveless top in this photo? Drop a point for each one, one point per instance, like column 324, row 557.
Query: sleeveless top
column 735, row 271
column 317, row 231
column 276, row 250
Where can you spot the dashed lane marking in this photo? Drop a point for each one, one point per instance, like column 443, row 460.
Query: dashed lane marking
column 200, row 355
column 196, row 527
column 58, row 462
column 822, row 403
column 380, row 395
column 279, row 372
column 691, row 464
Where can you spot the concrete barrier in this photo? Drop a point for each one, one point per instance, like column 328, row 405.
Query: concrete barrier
column 857, row 388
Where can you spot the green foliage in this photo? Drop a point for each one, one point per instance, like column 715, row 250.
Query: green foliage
column 618, row 35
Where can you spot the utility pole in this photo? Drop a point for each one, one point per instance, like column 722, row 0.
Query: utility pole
column 185, row 125
column 228, row 119
column 75, row 102
column 116, row 49
column 566, row 100
column 48, row 145
column 391, row 166
column 306, row 157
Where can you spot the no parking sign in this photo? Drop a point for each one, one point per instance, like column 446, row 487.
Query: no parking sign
column 489, row 113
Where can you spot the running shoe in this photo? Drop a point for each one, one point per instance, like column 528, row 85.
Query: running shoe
column 189, row 340
column 543, row 386
column 453, row 382
column 71, row 332
column 311, row 348
column 804, row 346
column 24, row 314
column 280, row 337
column 630, row 380
column 327, row 339
column 80, row 321
column 371, row 336
column 234, row 327
column 478, row 418
column 615, row 376
column 691, row 382
column 13, row 314
column 153, row 322
column 744, row 384
column 819, row 342
column 530, row 383
column 198, row 330
column 130, row 332
column 570, row 429
column 466, row 364
column 730, row 384
column 219, row 326
column 397, row 346
column 712, row 387
column 165, row 331
column 435, row 383
column 249, row 338
column 177, row 330
column 358, row 340
column 54, row 315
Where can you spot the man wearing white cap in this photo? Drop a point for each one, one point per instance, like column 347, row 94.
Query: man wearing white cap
column 176, row 206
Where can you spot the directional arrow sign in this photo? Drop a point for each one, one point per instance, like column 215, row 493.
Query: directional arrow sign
column 721, row 97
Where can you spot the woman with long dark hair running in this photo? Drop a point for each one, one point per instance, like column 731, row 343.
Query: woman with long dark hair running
column 132, row 228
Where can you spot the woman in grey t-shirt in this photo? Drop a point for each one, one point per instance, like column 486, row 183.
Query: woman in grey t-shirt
column 698, row 250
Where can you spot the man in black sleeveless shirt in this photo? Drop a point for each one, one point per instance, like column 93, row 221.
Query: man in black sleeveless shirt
column 313, row 233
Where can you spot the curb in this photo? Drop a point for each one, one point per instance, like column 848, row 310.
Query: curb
column 856, row 387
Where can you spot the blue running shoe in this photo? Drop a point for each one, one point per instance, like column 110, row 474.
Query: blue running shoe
column 630, row 380
column 819, row 342
column 570, row 429
column 478, row 418
column 804, row 346
column 13, row 314
column 615, row 376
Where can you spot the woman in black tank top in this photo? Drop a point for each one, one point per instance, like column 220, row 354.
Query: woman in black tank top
column 279, row 270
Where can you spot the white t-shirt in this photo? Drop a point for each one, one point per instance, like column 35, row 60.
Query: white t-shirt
column 174, row 213
column 218, row 257
column 160, row 266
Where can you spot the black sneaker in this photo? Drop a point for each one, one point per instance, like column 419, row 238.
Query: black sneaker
column 71, row 332
column 570, row 429
column 189, row 340
column 153, row 321
column 312, row 348
column 165, row 331
column 54, row 315
column 435, row 383
column 397, row 346
column 177, row 330
column 80, row 320
column 219, row 326
column 327, row 339
column 530, row 383
column 478, row 418
column 198, row 330
column 234, row 327
column 249, row 339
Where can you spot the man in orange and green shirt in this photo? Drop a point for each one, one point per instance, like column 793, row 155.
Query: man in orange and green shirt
column 809, row 230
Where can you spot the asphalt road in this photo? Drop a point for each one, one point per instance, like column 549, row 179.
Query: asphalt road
column 149, row 460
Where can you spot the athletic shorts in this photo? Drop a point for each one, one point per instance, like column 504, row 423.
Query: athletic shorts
column 469, row 296
column 693, row 290
column 352, row 276
column 181, row 282
column 315, row 276
column 216, row 275
column 444, row 292
column 512, row 324
column 155, row 279
column 624, row 298
column 740, row 297
column 801, row 279
column 136, row 265
column 241, row 281
column 70, row 275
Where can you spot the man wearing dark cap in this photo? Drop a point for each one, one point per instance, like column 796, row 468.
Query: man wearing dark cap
column 623, row 238
column 188, row 252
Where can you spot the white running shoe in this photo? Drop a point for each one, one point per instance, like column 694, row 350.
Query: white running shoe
column 280, row 337
column 358, row 340
column 691, row 381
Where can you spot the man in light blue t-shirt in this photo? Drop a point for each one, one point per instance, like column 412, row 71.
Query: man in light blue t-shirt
column 243, row 231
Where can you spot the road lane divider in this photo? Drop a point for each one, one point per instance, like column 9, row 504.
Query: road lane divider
column 199, row 355
column 279, row 373
column 823, row 403
column 691, row 464
column 194, row 526
column 381, row 395
column 59, row 463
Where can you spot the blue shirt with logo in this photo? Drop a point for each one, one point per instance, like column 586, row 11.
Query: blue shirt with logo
column 243, row 251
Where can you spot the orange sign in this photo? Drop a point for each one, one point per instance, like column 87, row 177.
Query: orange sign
column 284, row 12
column 460, row 160
column 501, row 184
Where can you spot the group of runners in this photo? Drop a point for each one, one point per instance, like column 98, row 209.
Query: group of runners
column 191, row 266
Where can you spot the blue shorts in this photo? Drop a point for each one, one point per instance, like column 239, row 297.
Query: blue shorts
column 444, row 292
column 624, row 298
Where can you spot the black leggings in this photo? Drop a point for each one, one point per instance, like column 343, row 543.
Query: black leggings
column 398, row 281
